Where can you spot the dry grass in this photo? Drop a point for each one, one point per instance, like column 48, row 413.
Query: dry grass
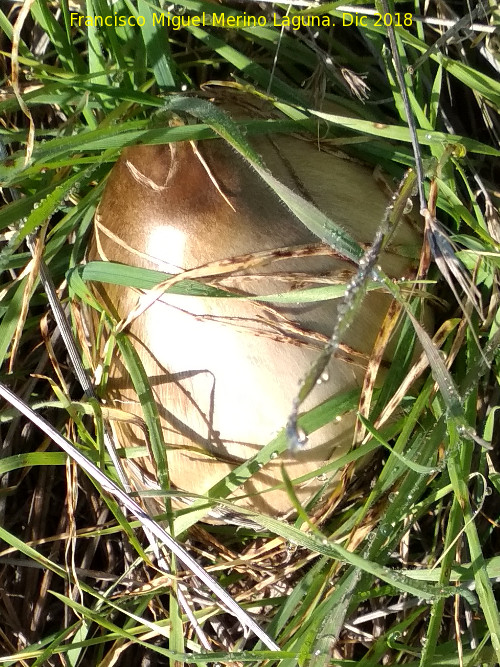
column 405, row 570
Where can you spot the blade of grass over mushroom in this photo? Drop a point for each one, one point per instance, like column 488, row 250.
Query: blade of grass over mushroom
column 313, row 218
column 204, row 502
column 313, row 420
column 130, row 276
column 218, row 268
column 355, row 292
column 115, row 138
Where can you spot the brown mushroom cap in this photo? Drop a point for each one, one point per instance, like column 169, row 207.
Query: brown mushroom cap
column 225, row 371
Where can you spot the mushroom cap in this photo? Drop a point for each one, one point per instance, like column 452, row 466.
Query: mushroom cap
column 225, row 371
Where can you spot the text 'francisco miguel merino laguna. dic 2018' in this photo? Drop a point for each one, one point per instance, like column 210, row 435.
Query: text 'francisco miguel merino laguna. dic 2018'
column 177, row 22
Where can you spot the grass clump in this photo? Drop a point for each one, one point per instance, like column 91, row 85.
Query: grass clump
column 405, row 570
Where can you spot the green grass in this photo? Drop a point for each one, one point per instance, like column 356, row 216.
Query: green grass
column 405, row 571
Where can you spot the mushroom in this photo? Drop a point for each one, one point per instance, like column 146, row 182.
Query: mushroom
column 224, row 370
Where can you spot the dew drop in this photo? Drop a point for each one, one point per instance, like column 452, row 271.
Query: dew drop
column 301, row 437
column 408, row 206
